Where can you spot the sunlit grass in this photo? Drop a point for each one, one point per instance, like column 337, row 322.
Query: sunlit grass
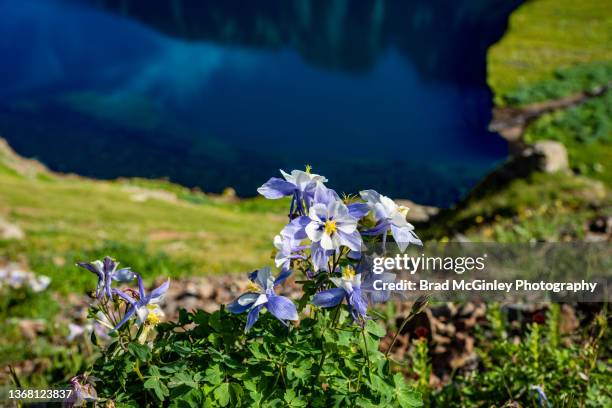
column 541, row 207
column 70, row 219
column 545, row 35
column 586, row 132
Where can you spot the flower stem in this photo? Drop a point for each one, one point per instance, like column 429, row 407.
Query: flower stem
column 333, row 323
column 406, row 320
column 137, row 370
column 367, row 354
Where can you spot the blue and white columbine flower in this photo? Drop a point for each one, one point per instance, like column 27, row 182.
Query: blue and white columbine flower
column 370, row 281
column 288, row 249
column 107, row 272
column 349, row 288
column 146, row 307
column 331, row 225
column 261, row 293
column 83, row 391
column 390, row 216
column 299, row 184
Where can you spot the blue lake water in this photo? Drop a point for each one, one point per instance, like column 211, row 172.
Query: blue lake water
column 389, row 95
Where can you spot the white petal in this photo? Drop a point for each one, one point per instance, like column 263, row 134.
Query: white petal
column 289, row 177
column 98, row 265
column 142, row 313
column 261, row 300
column 302, row 179
column 356, row 282
column 318, row 212
column 327, row 243
column 314, row 231
column 247, row 299
column 389, row 204
column 338, row 210
column 278, row 242
column 399, row 220
column 347, row 225
column 280, row 259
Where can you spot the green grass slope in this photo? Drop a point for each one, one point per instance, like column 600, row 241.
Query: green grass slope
column 156, row 227
column 545, row 36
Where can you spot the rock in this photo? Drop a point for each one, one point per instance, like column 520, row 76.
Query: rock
column 206, row 289
column 544, row 156
column 569, row 322
column 31, row 328
column 10, row 231
column 553, row 156
column 229, row 192
column 418, row 212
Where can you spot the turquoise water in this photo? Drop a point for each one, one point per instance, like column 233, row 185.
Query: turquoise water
column 388, row 95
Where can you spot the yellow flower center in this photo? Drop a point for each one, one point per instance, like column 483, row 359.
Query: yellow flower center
column 253, row 287
column 152, row 318
column 308, row 168
column 403, row 210
column 348, row 273
column 330, row 227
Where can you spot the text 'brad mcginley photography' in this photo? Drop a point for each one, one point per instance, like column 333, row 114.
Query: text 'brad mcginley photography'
column 481, row 272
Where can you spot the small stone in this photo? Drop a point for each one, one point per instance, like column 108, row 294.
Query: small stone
column 10, row 231
column 553, row 156
column 30, row 328
column 418, row 212
column 229, row 192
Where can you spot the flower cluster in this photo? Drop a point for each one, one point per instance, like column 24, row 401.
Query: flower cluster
column 115, row 307
column 83, row 391
column 325, row 239
column 14, row 277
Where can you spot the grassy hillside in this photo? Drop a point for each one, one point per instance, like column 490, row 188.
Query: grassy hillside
column 154, row 226
column 545, row 36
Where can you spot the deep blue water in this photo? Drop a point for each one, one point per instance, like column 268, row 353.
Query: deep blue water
column 377, row 94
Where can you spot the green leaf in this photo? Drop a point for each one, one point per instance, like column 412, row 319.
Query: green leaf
column 154, row 383
column 215, row 322
column 213, row 375
column 381, row 386
column 183, row 378
column 191, row 399
column 294, row 400
column 94, row 338
column 375, row 329
column 140, row 351
column 255, row 349
column 236, row 393
column 406, row 396
column 222, row 394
